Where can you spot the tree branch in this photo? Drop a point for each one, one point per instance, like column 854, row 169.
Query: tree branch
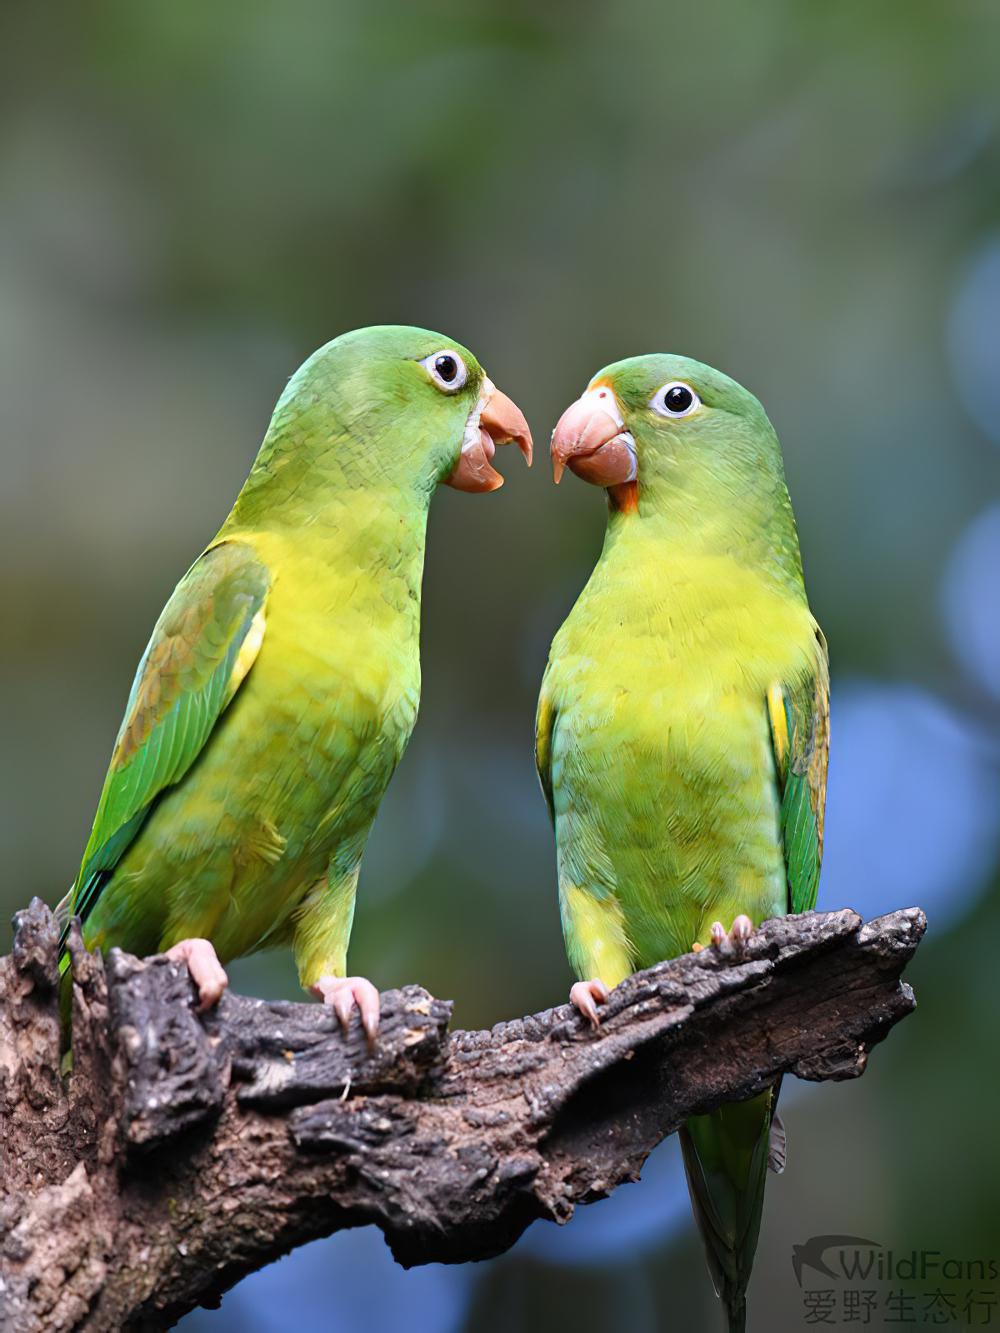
column 186, row 1151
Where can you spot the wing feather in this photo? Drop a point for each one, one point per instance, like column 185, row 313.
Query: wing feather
column 544, row 726
column 799, row 715
column 202, row 647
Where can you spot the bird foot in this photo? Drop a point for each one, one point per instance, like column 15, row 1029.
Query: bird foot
column 739, row 932
column 586, row 996
column 346, row 992
column 207, row 972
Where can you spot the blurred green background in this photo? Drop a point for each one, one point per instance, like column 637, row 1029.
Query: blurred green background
column 806, row 195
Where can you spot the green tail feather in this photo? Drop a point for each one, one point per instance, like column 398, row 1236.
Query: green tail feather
column 725, row 1160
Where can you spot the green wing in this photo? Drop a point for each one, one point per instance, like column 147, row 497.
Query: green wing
column 800, row 737
column 203, row 645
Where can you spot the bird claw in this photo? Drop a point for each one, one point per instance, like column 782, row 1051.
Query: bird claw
column 739, row 932
column 206, row 971
column 586, row 996
column 343, row 993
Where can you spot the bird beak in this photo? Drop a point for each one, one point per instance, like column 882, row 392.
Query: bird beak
column 590, row 438
column 494, row 420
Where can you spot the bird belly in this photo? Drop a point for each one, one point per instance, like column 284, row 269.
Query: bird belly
column 669, row 803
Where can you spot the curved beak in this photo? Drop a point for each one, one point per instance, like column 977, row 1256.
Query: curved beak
column 495, row 420
column 591, row 440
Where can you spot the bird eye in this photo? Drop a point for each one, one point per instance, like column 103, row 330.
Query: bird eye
column 447, row 370
column 676, row 399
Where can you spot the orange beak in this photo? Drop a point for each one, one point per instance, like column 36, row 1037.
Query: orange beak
column 499, row 421
column 590, row 438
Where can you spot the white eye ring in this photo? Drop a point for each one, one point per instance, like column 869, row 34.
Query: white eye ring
column 447, row 369
column 683, row 406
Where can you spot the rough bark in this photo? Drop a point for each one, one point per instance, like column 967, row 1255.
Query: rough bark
column 184, row 1151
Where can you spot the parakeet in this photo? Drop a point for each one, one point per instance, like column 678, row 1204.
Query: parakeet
column 683, row 724
column 280, row 686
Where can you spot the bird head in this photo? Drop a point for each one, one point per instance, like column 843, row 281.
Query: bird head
column 649, row 427
column 396, row 404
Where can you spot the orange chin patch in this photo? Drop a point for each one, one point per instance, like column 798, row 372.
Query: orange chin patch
column 625, row 497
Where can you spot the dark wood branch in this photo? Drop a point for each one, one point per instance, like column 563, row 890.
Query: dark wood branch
column 185, row 1151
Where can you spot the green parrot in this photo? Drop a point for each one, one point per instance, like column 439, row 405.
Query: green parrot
column 683, row 725
column 280, row 686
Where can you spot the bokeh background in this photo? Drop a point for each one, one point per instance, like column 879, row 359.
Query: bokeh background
column 806, row 195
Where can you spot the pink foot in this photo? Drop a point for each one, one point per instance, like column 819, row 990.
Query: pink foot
column 207, row 972
column 586, row 996
column 346, row 992
column 739, row 933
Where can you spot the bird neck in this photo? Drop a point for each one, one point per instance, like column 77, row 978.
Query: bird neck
column 700, row 516
column 361, row 507
column 324, row 451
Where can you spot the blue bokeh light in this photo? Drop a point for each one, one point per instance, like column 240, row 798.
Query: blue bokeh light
column 913, row 809
column 971, row 598
column 974, row 338
column 630, row 1222
column 342, row 1284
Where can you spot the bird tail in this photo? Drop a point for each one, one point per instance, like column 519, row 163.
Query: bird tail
column 725, row 1160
